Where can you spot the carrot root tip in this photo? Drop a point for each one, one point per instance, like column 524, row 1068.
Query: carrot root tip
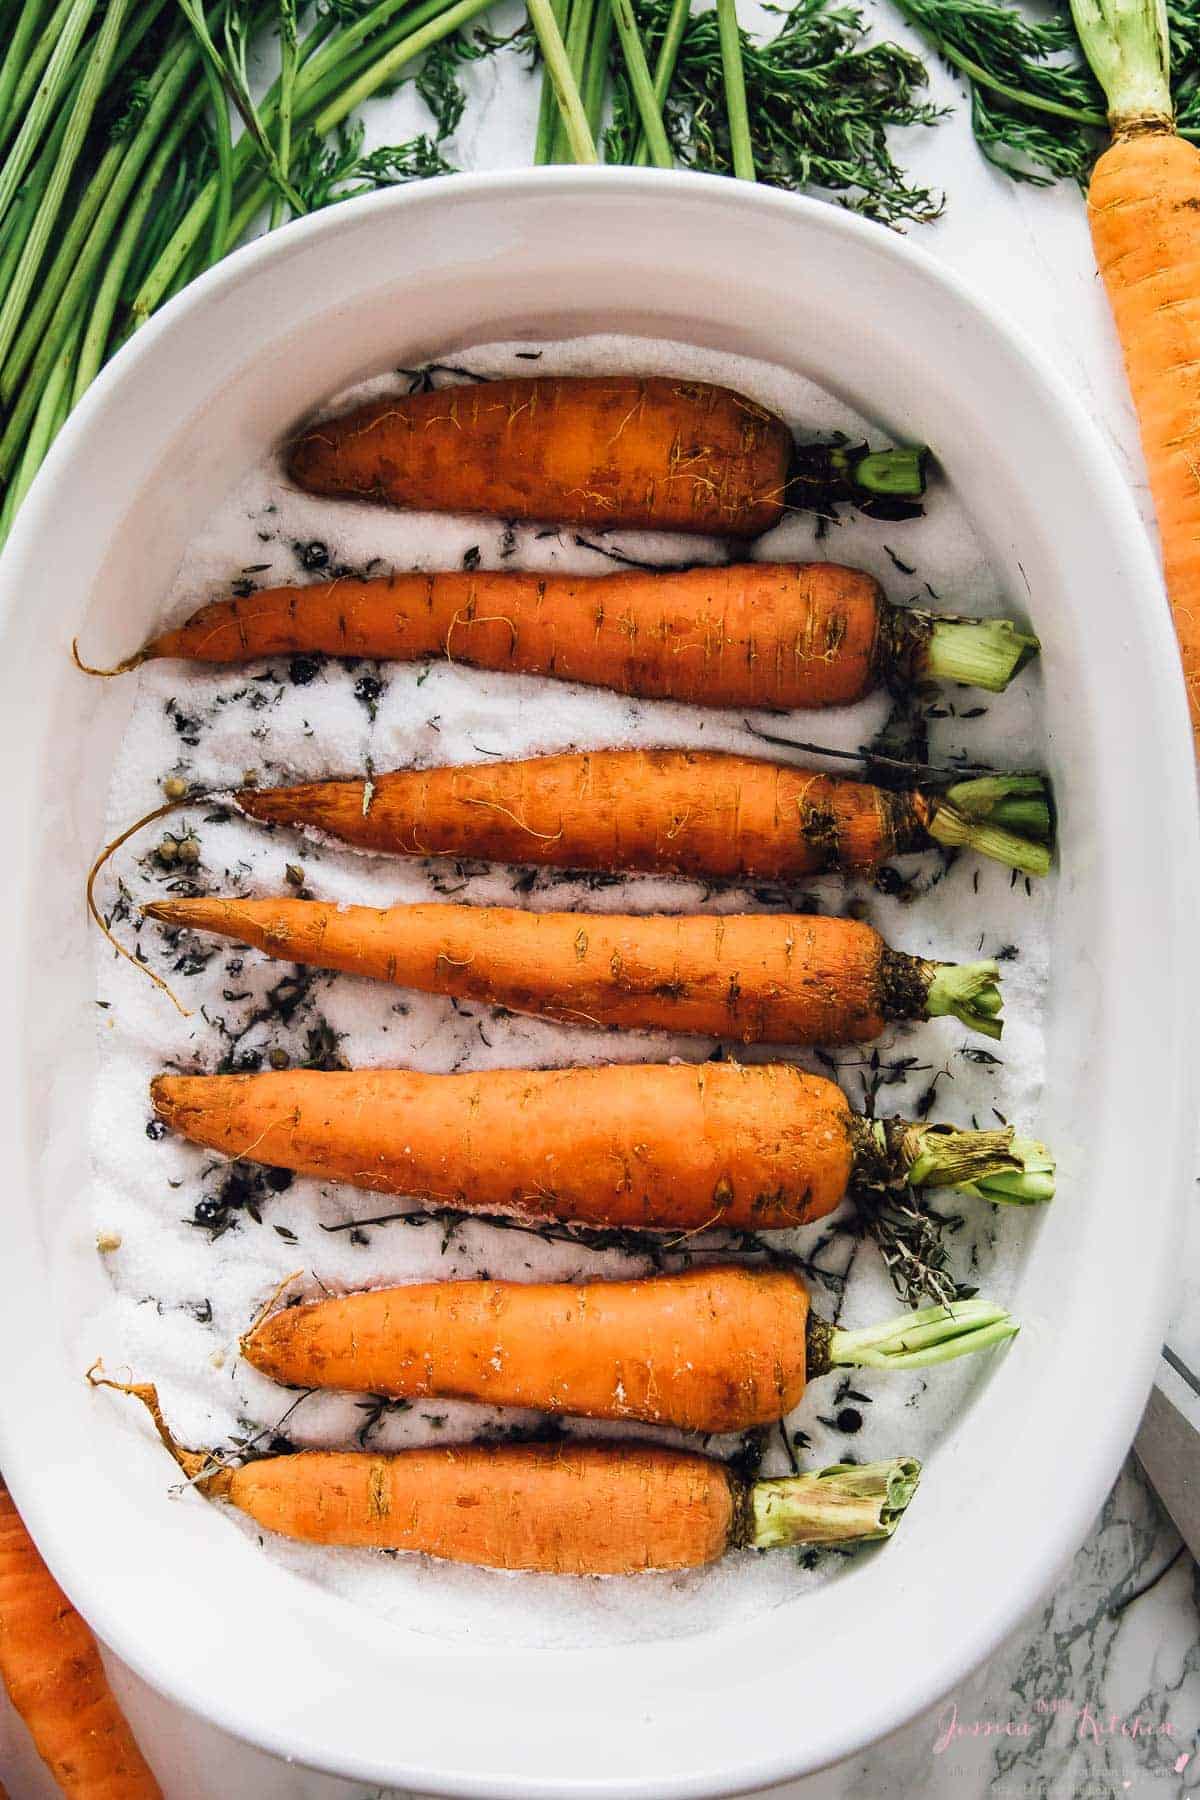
column 122, row 668
column 844, row 1504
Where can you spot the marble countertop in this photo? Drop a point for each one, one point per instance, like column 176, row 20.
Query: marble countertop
column 1098, row 1693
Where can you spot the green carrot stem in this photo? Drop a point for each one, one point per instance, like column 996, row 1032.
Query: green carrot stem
column 664, row 68
column 380, row 67
column 884, row 484
column 969, row 992
column 29, row 75
column 219, row 69
column 988, row 1165
column 102, row 200
column 55, row 83
column 288, row 57
column 1126, row 43
column 56, row 188
column 983, row 653
column 595, row 75
column 100, row 320
column 320, row 83
column 576, row 41
column 734, row 76
column 976, row 815
column 548, row 113
column 843, row 1504
column 20, row 219
column 638, row 71
column 223, row 139
column 917, row 1340
column 566, row 90
column 48, row 421
column 74, row 291
column 17, row 60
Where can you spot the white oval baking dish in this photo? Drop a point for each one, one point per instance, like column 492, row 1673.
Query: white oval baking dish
column 194, row 401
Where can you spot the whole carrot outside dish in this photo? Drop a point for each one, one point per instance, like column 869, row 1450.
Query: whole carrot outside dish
column 643, row 452
column 776, row 635
column 775, row 978
column 567, row 1508
column 1144, row 211
column 51, row 1667
column 716, row 1349
column 643, row 1146
column 704, row 814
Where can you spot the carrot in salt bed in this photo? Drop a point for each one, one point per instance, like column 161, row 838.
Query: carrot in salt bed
column 1144, row 212
column 772, row 978
column 51, row 1667
column 704, row 814
column 714, row 1349
column 650, row 1146
column 646, row 452
column 566, row 1508
column 776, row 635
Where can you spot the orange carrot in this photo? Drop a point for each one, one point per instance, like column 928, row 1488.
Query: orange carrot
column 1144, row 210
column 684, row 812
column 567, row 1508
column 754, row 634
column 713, row 1349
column 622, row 450
column 51, row 1667
column 658, row 1146
column 761, row 978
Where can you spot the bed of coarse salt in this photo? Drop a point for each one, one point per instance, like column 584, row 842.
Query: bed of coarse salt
column 181, row 1294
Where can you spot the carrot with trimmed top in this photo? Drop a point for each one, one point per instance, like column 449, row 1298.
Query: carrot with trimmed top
column 704, row 814
column 776, row 635
column 713, row 1349
column 644, row 452
column 1144, row 212
column 774, row 978
column 51, row 1667
column 644, row 1146
column 566, row 1508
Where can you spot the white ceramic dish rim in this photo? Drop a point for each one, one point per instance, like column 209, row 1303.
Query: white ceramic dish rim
column 102, row 1574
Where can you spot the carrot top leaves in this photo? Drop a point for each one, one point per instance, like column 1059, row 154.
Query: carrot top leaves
column 1037, row 110
column 819, row 102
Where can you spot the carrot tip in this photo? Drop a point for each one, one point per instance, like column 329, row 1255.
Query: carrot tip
column 198, row 1466
column 122, row 668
